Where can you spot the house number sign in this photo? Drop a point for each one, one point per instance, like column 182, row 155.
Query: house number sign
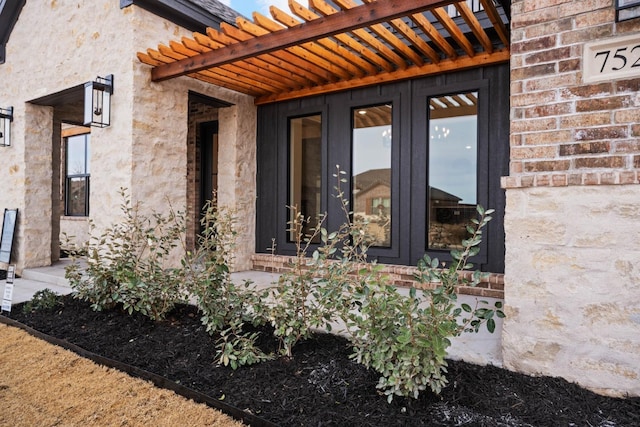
column 612, row 59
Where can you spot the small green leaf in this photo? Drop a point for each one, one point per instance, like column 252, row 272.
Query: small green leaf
column 491, row 325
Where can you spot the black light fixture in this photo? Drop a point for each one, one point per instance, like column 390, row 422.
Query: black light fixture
column 6, row 117
column 627, row 9
column 97, row 101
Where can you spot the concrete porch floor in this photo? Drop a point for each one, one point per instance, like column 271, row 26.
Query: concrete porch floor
column 52, row 277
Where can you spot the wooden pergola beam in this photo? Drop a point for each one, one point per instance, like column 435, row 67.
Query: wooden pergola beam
column 338, row 23
column 460, row 63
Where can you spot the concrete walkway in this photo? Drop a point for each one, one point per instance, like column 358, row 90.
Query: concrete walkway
column 52, row 277
column 36, row 279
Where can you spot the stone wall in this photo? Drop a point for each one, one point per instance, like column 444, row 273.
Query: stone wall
column 160, row 114
column 571, row 277
column 572, row 284
column 144, row 149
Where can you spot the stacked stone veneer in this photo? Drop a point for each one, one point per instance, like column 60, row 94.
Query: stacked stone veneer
column 572, row 223
column 398, row 275
column 145, row 150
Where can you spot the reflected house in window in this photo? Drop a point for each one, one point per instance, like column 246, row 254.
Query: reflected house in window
column 449, row 219
column 372, row 200
column 373, row 192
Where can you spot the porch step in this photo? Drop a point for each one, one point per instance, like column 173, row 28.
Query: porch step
column 53, row 274
column 33, row 280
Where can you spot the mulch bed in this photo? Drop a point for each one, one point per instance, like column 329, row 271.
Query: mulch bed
column 320, row 385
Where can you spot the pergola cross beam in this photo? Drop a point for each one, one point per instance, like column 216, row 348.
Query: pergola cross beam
column 338, row 45
column 341, row 22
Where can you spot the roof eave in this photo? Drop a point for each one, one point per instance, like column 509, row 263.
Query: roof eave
column 182, row 12
column 9, row 14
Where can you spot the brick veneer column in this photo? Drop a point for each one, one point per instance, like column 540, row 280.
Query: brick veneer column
column 563, row 131
column 572, row 222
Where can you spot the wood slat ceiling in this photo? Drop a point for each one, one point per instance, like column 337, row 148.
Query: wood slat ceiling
column 336, row 45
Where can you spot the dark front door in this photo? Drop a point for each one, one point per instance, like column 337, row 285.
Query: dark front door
column 208, row 161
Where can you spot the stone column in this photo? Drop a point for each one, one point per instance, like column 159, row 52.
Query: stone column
column 572, row 223
column 36, row 217
column 237, row 174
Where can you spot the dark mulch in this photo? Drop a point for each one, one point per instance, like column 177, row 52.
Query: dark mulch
column 321, row 386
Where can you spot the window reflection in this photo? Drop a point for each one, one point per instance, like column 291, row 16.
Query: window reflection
column 77, row 196
column 453, row 166
column 372, row 170
column 305, row 135
column 77, row 151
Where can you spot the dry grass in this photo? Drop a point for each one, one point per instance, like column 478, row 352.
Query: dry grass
column 45, row 385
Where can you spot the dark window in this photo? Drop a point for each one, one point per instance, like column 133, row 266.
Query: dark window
column 305, row 180
column 371, row 170
column 453, row 168
column 418, row 157
column 77, row 175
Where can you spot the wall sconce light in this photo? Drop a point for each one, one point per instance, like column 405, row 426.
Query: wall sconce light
column 97, row 102
column 627, row 9
column 6, row 117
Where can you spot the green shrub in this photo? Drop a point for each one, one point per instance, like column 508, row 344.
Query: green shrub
column 128, row 263
column 225, row 306
column 405, row 338
column 44, row 299
column 295, row 304
column 319, row 288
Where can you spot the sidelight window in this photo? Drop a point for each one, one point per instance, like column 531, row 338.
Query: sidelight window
column 371, row 170
column 77, row 175
column 305, row 180
column 453, row 168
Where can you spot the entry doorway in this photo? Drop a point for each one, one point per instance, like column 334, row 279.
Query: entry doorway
column 208, row 162
column 203, row 148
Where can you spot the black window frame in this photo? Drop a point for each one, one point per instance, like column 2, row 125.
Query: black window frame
column 84, row 176
column 409, row 184
column 393, row 251
column 420, row 163
column 284, row 243
column 323, row 168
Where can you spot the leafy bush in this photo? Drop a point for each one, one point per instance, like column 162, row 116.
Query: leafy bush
column 319, row 289
column 225, row 306
column 405, row 338
column 295, row 306
column 44, row 299
column 128, row 263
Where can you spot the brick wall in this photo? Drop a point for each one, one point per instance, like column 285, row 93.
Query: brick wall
column 565, row 132
column 572, row 216
column 402, row 276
